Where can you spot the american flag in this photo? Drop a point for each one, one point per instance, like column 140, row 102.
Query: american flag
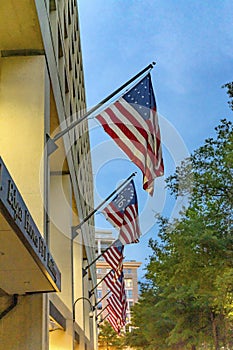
column 132, row 122
column 111, row 312
column 114, row 256
column 117, row 302
column 118, row 305
column 119, row 311
column 122, row 213
column 114, row 284
column 114, row 322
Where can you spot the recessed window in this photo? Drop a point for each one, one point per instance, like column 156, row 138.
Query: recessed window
column 60, row 50
column 99, row 306
column 65, row 27
column 128, row 282
column 66, row 83
column 99, row 293
column 129, row 293
column 52, row 5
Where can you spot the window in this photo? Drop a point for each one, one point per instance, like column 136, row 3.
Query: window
column 99, row 293
column 129, row 293
column 99, row 306
column 130, row 303
column 127, row 270
column 128, row 282
column 99, row 270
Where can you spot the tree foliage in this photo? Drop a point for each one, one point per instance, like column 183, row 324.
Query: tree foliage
column 229, row 87
column 108, row 339
column 187, row 300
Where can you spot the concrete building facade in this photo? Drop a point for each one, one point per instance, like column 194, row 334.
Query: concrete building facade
column 42, row 196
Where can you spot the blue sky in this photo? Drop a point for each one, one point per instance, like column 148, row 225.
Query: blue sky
column 191, row 42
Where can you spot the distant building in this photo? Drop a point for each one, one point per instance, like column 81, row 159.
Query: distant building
column 103, row 240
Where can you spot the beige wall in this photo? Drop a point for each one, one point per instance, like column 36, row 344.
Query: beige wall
column 60, row 340
column 78, row 289
column 22, row 126
column 21, row 147
column 22, row 328
column 61, row 222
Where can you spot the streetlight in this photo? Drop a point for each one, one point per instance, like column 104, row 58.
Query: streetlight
column 91, row 313
column 91, row 307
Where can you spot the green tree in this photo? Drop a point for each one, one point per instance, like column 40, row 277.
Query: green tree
column 229, row 87
column 108, row 339
column 188, row 296
column 185, row 266
column 151, row 328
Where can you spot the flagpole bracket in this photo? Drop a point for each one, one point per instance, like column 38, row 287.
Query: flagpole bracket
column 74, row 231
column 50, row 145
column 84, row 272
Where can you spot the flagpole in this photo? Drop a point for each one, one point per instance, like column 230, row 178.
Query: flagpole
column 74, row 228
column 97, row 258
column 101, row 312
column 51, row 146
column 94, row 306
column 92, row 290
column 102, row 320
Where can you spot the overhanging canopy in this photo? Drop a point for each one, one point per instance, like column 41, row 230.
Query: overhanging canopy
column 26, row 265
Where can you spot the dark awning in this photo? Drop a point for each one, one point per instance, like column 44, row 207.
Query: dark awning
column 26, row 265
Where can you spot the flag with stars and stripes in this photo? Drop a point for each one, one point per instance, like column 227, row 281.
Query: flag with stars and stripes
column 132, row 122
column 118, row 307
column 114, row 256
column 114, row 322
column 117, row 320
column 115, row 285
column 122, row 213
column 117, row 302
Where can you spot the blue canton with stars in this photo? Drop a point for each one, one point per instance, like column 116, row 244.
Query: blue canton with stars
column 125, row 197
column 118, row 245
column 141, row 97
